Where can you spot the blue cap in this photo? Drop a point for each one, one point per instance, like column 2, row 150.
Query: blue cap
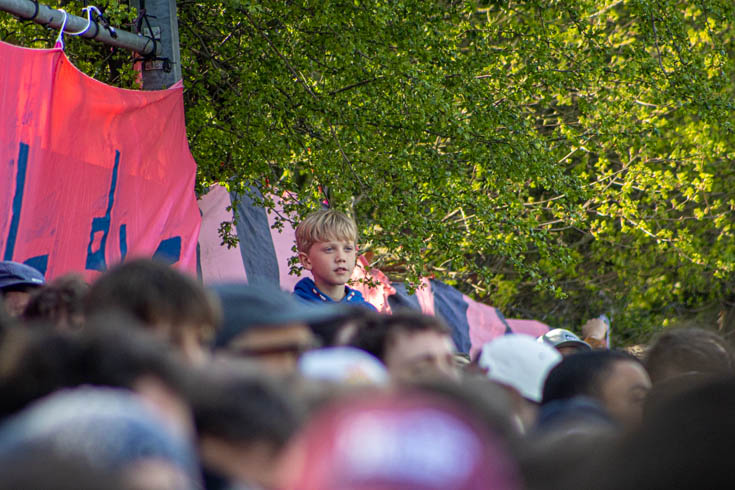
column 106, row 427
column 13, row 274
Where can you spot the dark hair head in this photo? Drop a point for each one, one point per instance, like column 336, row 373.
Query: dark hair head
column 39, row 362
column 113, row 355
column 34, row 363
column 328, row 331
column 679, row 351
column 686, row 443
column 375, row 338
column 155, row 294
column 581, row 374
column 60, row 302
column 243, row 408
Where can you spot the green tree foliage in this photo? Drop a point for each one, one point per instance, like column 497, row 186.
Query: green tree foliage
column 554, row 158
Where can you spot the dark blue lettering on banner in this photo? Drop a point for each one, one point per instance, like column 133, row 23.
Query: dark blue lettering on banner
column 169, row 250
column 20, row 182
column 96, row 258
column 123, row 242
column 39, row 262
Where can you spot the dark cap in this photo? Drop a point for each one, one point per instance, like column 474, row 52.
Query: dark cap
column 245, row 306
column 14, row 274
column 561, row 337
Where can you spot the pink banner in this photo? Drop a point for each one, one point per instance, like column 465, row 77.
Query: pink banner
column 90, row 174
column 484, row 324
column 373, row 284
column 220, row 263
column 529, row 327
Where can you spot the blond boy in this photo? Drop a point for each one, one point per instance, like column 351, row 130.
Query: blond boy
column 327, row 245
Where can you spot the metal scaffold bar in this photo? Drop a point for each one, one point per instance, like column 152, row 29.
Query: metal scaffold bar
column 42, row 14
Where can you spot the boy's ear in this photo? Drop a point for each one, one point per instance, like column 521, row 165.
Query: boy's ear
column 305, row 262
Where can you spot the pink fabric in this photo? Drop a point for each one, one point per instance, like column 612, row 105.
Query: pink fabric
column 223, row 264
column 377, row 288
column 530, row 327
column 425, row 296
column 484, row 324
column 73, row 135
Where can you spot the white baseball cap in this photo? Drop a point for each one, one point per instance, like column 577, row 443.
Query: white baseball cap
column 519, row 361
column 344, row 365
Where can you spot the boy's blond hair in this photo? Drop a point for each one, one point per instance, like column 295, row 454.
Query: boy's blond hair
column 324, row 225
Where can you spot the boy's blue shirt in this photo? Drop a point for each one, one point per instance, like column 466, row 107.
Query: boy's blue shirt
column 306, row 290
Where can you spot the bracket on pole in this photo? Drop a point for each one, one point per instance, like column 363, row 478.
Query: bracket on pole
column 154, row 62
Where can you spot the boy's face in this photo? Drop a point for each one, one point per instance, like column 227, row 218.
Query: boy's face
column 331, row 263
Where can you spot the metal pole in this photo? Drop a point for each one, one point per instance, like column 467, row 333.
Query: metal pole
column 161, row 16
column 42, row 14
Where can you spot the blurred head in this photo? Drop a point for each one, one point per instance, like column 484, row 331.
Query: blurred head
column 411, row 345
column 389, row 442
column 17, row 283
column 109, row 429
column 551, row 457
column 339, row 329
column 519, row 361
column 520, row 364
column 38, row 362
column 680, row 351
column 265, row 324
column 46, row 468
column 243, row 420
column 670, row 388
column 572, row 417
column 685, row 444
column 60, row 303
column 616, row 379
column 173, row 306
column 344, row 366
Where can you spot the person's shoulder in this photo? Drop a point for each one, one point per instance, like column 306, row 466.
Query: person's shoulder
column 355, row 297
column 305, row 290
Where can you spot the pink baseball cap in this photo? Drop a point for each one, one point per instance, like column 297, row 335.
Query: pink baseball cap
column 397, row 442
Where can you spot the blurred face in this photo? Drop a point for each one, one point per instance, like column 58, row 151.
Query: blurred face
column 160, row 398
column 253, row 464
column 276, row 347
column 418, row 355
column 186, row 338
column 15, row 302
column 568, row 350
column 155, row 474
column 331, row 263
column 624, row 391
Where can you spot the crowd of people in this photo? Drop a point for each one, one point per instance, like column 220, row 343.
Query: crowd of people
column 146, row 379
